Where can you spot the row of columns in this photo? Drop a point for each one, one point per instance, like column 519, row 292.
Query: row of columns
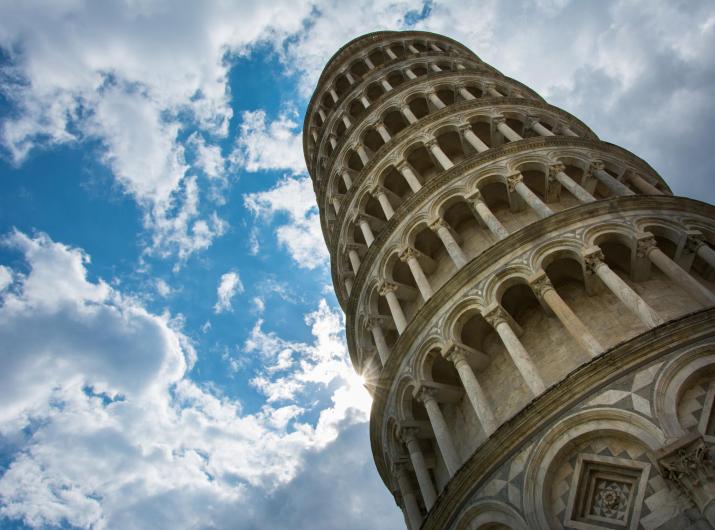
column 458, row 353
column 445, row 163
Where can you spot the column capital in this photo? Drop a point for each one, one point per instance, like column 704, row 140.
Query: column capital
column 495, row 315
column 425, row 394
column 438, row 223
column 540, row 284
column 455, row 352
column 401, row 165
column 465, row 126
column 558, row 167
column 689, row 465
column 592, row 258
column 496, row 120
column 475, row 196
column 372, row 321
column 645, row 242
column 354, row 246
column 512, row 180
column 408, row 253
column 408, row 434
column 386, row 288
column 597, row 165
column 377, row 189
column 430, row 142
column 694, row 240
column 530, row 121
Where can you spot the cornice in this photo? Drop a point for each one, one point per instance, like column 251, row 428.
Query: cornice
column 543, row 411
column 433, row 185
column 476, row 69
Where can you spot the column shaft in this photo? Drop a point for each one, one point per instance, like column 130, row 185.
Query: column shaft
column 475, row 141
column 347, row 180
column 408, row 497
column 385, row 203
column 379, row 337
column 441, row 157
column 453, row 249
column 408, row 114
column 410, row 177
column 418, row 274
column 354, row 260
column 429, row 495
column 396, row 310
column 366, row 232
column 623, row 292
column 540, row 129
column 707, row 254
column 532, row 200
column 509, row 133
column 577, row 191
column 475, row 392
column 384, row 134
column 643, row 185
column 466, row 94
column 441, row 433
column 613, row 184
column 671, row 269
column 572, row 323
column 486, row 215
column 436, row 101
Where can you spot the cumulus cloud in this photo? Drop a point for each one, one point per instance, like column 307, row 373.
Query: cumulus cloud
column 229, row 285
column 262, row 146
column 301, row 235
column 116, row 435
column 5, row 277
column 131, row 76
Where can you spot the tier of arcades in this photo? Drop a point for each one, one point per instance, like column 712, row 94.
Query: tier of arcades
column 484, row 245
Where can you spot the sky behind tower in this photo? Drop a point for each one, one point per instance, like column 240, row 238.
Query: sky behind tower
column 171, row 352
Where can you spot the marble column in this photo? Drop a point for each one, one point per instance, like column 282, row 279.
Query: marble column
column 347, row 180
column 466, row 94
column 409, row 73
column 408, row 114
column 608, row 180
column 492, row 91
column 697, row 245
column 366, row 230
column 388, row 290
column 408, row 497
column 538, row 128
column 409, row 255
column 386, row 85
column 412, row 49
column 336, row 204
column 566, row 131
column 441, row 431
column 412, row 181
column 444, row 232
column 473, row 139
column 556, row 171
column 508, row 133
column 487, row 216
column 390, row 53
column 435, row 68
column 440, row 155
column 379, row 193
column 647, row 247
column 334, row 95
column 497, row 318
column 382, row 131
column 321, row 112
column 368, row 63
column 346, row 121
column 435, row 99
column 354, row 258
column 374, row 324
column 350, row 78
column 365, row 102
column 475, row 393
column 515, row 182
column 642, row 184
column 360, row 149
column 594, row 264
column 419, row 465
column 544, row 290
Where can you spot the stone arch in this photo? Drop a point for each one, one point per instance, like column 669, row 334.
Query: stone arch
column 591, row 423
column 672, row 381
column 421, row 365
column 506, row 278
column 490, row 515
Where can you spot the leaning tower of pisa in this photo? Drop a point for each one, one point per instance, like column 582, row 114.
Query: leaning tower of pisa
column 529, row 305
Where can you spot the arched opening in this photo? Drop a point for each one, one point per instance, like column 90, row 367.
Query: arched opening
column 372, row 140
column 354, row 161
column 374, row 92
column 440, row 267
column 483, row 131
column 446, row 94
column 419, row 70
column 472, row 237
column 359, row 69
column 496, row 197
column 451, row 144
column 396, row 183
column 342, row 85
column 394, row 122
column 377, row 57
column 395, row 78
column 474, row 91
column 420, row 46
column 421, row 160
column 419, row 107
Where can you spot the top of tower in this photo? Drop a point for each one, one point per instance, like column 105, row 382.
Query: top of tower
column 349, row 49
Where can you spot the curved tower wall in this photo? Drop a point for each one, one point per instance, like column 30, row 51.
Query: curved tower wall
column 530, row 306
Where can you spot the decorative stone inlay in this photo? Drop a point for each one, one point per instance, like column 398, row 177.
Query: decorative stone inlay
column 606, row 492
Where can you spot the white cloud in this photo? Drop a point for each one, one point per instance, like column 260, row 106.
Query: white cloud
column 131, row 75
column 162, row 288
column 302, row 235
column 229, row 285
column 5, row 277
column 262, row 146
column 116, row 436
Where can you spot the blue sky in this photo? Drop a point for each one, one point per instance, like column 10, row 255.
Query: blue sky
column 171, row 352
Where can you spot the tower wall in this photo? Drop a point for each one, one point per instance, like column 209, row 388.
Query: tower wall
column 530, row 306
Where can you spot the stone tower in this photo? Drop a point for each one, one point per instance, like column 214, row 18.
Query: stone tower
column 529, row 305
